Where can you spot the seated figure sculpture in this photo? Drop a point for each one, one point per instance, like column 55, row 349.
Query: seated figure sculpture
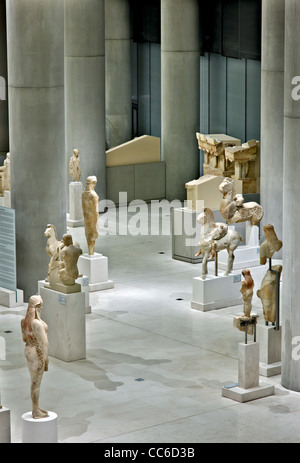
column 35, row 335
column 90, row 207
column 68, row 270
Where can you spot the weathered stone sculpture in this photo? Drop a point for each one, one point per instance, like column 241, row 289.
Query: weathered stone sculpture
column 62, row 269
column 35, row 335
column 90, row 207
column 68, row 270
column 214, row 238
column 247, row 291
column 271, row 244
column 5, row 175
column 247, row 321
column 74, row 166
column 234, row 209
column 267, row 294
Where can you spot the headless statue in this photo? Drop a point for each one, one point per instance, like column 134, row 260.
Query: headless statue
column 90, row 207
column 35, row 335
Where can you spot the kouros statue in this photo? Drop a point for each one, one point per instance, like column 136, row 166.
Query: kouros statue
column 90, row 207
column 74, row 166
column 68, row 270
column 271, row 244
column 234, row 209
column 35, row 335
column 5, row 175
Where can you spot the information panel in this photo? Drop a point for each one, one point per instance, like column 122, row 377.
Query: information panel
column 8, row 271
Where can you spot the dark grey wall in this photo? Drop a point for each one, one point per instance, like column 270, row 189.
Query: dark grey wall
column 4, row 138
column 230, row 96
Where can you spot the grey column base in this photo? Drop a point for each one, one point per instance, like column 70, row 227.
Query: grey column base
column 270, row 370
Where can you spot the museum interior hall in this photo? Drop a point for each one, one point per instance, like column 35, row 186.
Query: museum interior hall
column 149, row 208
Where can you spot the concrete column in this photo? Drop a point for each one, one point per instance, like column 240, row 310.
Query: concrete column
column 85, row 87
column 272, row 103
column 36, row 122
column 291, row 198
column 4, row 138
column 180, row 59
column 118, row 72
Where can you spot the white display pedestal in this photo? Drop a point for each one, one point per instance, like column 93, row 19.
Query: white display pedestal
column 10, row 298
column 270, row 350
column 65, row 317
column 246, row 256
column 95, row 268
column 83, row 282
column 43, row 431
column 248, row 387
column 216, row 292
column 5, row 200
column 75, row 215
column 5, row 433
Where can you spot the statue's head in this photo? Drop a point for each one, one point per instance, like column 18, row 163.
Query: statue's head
column 67, row 239
column 76, row 152
column 91, row 181
column 35, row 303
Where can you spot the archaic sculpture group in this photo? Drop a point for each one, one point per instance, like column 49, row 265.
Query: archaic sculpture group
column 215, row 236
column 62, row 275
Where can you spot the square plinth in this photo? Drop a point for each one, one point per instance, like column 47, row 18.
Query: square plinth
column 248, row 374
column 95, row 268
column 216, row 292
column 5, row 433
column 269, row 340
column 10, row 298
column 246, row 395
column 65, row 317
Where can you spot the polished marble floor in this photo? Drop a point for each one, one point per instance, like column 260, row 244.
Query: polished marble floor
column 154, row 368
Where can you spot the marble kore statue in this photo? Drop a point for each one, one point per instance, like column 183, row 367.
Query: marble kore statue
column 35, row 335
column 247, row 291
column 90, row 208
column 74, row 166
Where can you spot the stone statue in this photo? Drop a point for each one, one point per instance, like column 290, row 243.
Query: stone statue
column 5, row 175
column 246, row 322
column 35, row 335
column 90, row 207
column 74, row 166
column 247, row 292
column 267, row 294
column 271, row 244
column 234, row 209
column 214, row 238
column 69, row 255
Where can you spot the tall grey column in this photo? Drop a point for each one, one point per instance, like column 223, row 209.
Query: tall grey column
column 180, row 60
column 272, row 104
column 118, row 72
column 291, row 200
column 36, row 122
column 85, row 87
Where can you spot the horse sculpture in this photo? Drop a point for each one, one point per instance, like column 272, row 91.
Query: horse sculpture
column 214, row 238
column 233, row 208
